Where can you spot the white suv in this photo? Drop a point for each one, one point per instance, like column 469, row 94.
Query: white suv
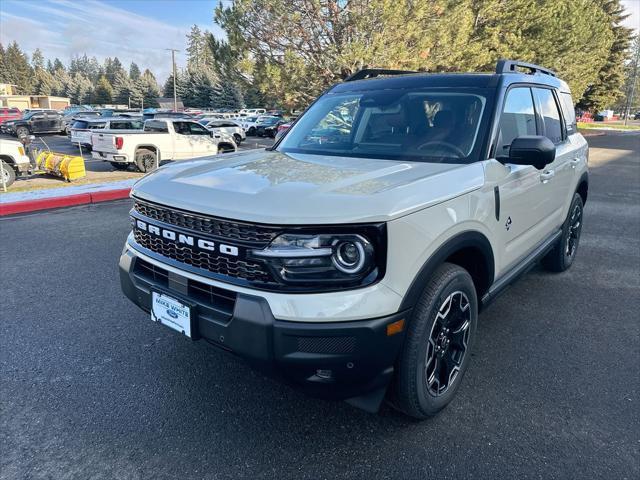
column 352, row 258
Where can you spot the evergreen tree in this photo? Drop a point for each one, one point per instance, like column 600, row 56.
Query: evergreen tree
column 123, row 88
column 103, row 93
column 58, row 65
column 44, row 83
column 37, row 60
column 195, row 46
column 148, row 89
column 17, row 70
column 607, row 87
column 134, row 72
column 79, row 89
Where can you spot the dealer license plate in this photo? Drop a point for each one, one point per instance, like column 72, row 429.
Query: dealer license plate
column 171, row 312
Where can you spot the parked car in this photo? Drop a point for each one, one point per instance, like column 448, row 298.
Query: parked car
column 44, row 121
column 83, row 128
column 229, row 127
column 14, row 160
column 70, row 118
column 155, row 115
column 7, row 114
column 268, row 126
column 282, row 128
column 159, row 140
column 355, row 266
column 636, row 116
column 253, row 111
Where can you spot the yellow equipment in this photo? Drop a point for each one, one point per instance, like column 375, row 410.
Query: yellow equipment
column 69, row 167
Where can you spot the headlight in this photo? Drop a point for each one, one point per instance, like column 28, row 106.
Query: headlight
column 326, row 260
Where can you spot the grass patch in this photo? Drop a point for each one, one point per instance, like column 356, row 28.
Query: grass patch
column 606, row 126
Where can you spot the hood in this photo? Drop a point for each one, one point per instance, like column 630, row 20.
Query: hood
column 277, row 188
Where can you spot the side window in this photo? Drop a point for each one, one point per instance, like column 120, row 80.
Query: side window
column 197, row 129
column 569, row 112
column 550, row 114
column 154, row 126
column 518, row 119
column 182, row 128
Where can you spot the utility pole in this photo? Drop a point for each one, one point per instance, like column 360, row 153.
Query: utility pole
column 173, row 62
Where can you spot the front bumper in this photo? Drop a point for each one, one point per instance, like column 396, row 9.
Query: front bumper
column 335, row 360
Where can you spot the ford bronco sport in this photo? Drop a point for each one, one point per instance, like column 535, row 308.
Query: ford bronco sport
column 353, row 256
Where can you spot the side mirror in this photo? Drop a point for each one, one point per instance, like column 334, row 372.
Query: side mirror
column 533, row 150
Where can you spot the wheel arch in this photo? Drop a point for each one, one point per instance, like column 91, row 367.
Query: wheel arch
column 583, row 187
column 152, row 147
column 470, row 250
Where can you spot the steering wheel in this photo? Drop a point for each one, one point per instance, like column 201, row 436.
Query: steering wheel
column 450, row 146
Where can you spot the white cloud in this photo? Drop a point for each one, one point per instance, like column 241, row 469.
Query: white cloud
column 65, row 28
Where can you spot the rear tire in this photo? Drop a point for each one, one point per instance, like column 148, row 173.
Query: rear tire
column 9, row 174
column 436, row 350
column 237, row 138
column 119, row 166
column 22, row 132
column 561, row 257
column 146, row 160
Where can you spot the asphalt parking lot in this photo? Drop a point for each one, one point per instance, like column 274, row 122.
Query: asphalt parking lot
column 92, row 389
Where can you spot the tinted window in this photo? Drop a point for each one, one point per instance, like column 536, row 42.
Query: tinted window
column 550, row 114
column 79, row 124
column 182, row 128
column 518, row 119
column 97, row 126
column 431, row 125
column 154, row 126
column 568, row 111
column 197, row 129
column 127, row 125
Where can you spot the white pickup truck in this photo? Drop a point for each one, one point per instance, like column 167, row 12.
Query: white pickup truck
column 159, row 140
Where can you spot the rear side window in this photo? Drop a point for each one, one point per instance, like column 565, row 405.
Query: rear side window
column 518, row 119
column 550, row 114
column 79, row 124
column 127, row 125
column 569, row 112
column 155, row 126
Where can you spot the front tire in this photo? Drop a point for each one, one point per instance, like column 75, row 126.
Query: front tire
column 22, row 132
column 8, row 175
column 561, row 257
column 436, row 350
column 237, row 138
column 146, row 160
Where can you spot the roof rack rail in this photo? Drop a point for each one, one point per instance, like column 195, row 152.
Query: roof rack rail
column 511, row 66
column 375, row 72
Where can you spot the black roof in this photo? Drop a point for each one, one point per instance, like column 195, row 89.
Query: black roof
column 507, row 72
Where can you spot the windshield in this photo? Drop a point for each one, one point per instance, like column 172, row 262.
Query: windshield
column 430, row 125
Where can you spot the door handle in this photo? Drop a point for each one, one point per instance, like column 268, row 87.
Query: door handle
column 547, row 175
column 574, row 162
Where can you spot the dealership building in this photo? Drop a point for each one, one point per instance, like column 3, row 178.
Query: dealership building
column 8, row 98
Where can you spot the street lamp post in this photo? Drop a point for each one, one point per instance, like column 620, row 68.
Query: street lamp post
column 173, row 63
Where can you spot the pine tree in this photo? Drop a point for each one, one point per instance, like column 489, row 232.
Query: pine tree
column 37, row 60
column 123, row 90
column 607, row 88
column 44, row 83
column 134, row 72
column 103, row 93
column 148, row 89
column 194, row 47
column 16, row 69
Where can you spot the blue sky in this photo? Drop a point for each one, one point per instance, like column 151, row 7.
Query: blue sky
column 132, row 30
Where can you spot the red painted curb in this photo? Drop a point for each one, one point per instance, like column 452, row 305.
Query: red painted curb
column 26, row 206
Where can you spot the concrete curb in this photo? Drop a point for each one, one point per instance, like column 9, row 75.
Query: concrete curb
column 24, row 202
column 26, row 206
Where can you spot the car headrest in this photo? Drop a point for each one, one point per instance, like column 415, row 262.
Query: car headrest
column 443, row 119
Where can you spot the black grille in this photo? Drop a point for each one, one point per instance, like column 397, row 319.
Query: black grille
column 231, row 267
column 213, row 226
column 326, row 344
column 221, row 301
